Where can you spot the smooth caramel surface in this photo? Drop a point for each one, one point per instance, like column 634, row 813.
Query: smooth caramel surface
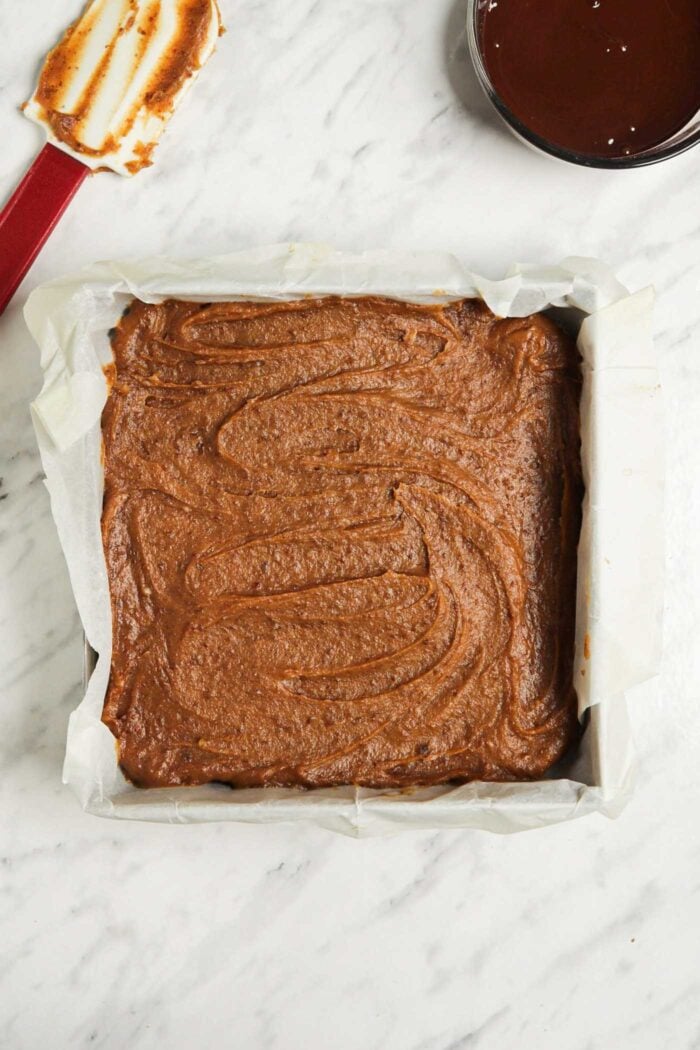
column 341, row 543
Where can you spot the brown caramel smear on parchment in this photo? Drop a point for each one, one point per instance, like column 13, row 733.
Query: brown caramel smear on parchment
column 341, row 542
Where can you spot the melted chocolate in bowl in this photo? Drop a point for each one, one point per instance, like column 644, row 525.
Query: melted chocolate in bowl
column 603, row 78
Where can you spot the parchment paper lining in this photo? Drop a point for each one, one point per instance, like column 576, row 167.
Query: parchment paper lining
column 620, row 591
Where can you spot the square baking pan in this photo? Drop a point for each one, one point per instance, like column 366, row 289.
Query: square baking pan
column 620, row 586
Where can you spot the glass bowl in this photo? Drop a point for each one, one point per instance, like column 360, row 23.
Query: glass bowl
column 681, row 141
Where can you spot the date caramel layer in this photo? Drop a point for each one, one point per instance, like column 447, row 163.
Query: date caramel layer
column 341, row 542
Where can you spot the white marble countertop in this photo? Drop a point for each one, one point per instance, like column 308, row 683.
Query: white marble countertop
column 358, row 123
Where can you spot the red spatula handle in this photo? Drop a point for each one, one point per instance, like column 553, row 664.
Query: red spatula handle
column 32, row 212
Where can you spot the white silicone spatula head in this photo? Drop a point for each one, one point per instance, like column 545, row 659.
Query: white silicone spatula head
column 104, row 96
column 108, row 88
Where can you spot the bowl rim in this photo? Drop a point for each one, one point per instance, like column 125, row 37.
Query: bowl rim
column 673, row 148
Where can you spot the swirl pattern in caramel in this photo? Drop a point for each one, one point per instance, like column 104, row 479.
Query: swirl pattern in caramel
column 341, row 543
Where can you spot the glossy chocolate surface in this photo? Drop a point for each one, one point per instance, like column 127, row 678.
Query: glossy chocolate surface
column 606, row 78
